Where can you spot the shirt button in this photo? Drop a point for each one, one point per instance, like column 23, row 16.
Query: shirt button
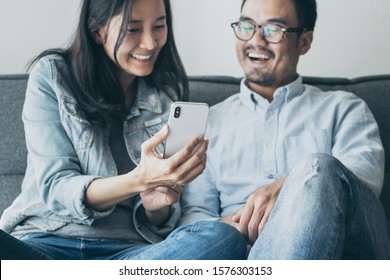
column 270, row 113
column 269, row 146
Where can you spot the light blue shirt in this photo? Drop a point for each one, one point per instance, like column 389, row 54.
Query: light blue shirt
column 254, row 142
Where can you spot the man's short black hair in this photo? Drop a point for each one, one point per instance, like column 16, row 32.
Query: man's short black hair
column 306, row 12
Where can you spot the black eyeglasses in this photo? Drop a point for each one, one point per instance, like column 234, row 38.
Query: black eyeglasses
column 270, row 32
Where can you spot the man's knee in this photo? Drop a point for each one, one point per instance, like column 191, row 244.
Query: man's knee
column 319, row 164
column 319, row 176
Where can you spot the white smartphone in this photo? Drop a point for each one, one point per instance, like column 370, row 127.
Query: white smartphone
column 186, row 120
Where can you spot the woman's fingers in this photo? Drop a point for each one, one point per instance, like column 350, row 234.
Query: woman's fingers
column 179, row 169
column 150, row 145
column 185, row 153
column 193, row 166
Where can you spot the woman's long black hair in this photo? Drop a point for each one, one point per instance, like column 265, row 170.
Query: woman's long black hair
column 97, row 88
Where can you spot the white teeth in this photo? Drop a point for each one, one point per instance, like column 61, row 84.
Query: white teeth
column 258, row 56
column 141, row 57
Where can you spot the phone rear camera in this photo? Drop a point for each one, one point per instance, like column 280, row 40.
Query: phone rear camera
column 177, row 112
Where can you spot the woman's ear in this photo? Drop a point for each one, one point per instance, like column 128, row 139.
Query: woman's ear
column 99, row 36
column 305, row 41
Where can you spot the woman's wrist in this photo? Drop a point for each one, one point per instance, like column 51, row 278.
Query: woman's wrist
column 139, row 179
column 105, row 193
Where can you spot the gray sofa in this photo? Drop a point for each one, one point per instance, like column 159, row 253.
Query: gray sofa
column 375, row 90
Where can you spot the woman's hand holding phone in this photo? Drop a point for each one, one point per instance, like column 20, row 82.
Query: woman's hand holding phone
column 161, row 175
column 159, row 178
column 183, row 160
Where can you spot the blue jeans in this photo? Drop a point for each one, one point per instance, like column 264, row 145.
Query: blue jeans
column 202, row 240
column 14, row 249
column 324, row 212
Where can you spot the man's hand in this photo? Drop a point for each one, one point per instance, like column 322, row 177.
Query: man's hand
column 229, row 220
column 251, row 218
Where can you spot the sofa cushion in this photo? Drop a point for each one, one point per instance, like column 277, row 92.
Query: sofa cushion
column 12, row 142
column 375, row 90
column 9, row 188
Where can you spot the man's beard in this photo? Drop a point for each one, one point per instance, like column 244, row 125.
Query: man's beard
column 255, row 76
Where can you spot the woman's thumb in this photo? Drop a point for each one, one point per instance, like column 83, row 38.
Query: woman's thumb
column 152, row 143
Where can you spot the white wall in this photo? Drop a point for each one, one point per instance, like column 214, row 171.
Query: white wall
column 28, row 27
column 352, row 37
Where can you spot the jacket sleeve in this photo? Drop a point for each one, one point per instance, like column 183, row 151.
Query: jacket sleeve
column 60, row 181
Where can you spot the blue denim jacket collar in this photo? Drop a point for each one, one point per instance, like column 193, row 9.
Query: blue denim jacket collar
column 148, row 98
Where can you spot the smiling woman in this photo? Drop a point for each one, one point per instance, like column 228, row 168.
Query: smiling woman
column 140, row 42
column 96, row 186
column 146, row 35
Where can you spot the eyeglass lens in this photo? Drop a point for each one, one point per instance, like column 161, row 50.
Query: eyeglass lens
column 272, row 33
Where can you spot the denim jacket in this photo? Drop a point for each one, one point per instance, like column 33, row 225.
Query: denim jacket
column 66, row 152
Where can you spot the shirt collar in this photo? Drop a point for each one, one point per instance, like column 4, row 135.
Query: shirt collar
column 148, row 98
column 286, row 93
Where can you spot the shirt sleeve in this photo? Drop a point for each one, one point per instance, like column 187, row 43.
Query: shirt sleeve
column 200, row 199
column 357, row 142
column 60, row 181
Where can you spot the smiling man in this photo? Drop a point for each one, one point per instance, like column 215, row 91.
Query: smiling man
column 268, row 62
column 296, row 170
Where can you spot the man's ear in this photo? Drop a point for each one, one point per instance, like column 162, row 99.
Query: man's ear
column 99, row 36
column 305, row 41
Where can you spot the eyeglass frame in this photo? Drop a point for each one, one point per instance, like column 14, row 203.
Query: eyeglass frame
column 259, row 26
